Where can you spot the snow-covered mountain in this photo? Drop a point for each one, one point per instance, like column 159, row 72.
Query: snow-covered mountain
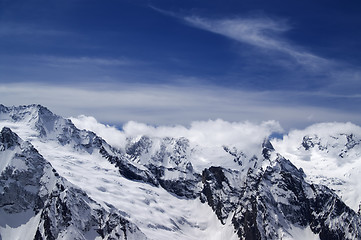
column 329, row 154
column 37, row 203
column 110, row 177
column 155, row 186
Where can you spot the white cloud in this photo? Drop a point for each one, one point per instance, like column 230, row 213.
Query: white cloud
column 212, row 133
column 63, row 61
column 110, row 133
column 252, row 31
column 209, row 133
column 268, row 35
column 71, row 62
column 264, row 33
column 169, row 105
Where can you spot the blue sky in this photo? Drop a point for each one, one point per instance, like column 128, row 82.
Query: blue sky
column 173, row 62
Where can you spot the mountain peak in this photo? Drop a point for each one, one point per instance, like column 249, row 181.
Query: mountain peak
column 267, row 148
column 8, row 138
column 38, row 110
column 26, row 112
column 3, row 108
column 38, row 117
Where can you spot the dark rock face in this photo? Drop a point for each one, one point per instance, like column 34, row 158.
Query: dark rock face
column 184, row 186
column 138, row 148
column 7, row 139
column 307, row 142
column 267, row 149
column 14, row 181
column 332, row 219
column 239, row 157
column 279, row 191
column 352, row 141
column 246, row 223
column 218, row 192
column 127, row 168
column 3, row 109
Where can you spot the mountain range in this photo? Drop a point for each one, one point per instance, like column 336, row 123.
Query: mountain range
column 59, row 181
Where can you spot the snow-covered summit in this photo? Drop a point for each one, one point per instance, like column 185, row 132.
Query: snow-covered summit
column 329, row 154
column 34, row 115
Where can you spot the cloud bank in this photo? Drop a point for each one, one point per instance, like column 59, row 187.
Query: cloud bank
column 205, row 134
column 172, row 105
column 110, row 133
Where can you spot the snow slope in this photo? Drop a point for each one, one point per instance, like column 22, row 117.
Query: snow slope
column 329, row 154
column 37, row 203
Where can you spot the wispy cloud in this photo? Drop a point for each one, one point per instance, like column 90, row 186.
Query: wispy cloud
column 63, row 61
column 13, row 29
column 264, row 33
column 296, row 65
column 268, row 36
column 75, row 61
column 55, row 68
column 164, row 104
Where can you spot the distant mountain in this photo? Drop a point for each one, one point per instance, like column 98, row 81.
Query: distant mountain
column 329, row 154
column 70, row 183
